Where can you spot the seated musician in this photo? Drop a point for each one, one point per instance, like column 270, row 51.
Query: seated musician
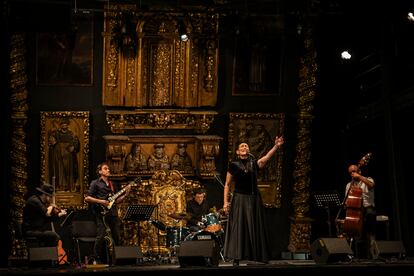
column 38, row 215
column 197, row 207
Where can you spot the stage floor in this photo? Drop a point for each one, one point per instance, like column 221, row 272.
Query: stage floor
column 275, row 267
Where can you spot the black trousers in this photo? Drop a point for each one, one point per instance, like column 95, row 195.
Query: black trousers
column 101, row 244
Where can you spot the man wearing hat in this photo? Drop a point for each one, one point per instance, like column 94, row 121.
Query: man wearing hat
column 38, row 215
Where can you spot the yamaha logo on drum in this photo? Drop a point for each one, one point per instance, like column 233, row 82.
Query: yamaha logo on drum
column 204, row 237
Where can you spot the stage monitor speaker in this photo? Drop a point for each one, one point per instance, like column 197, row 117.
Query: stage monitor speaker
column 128, row 255
column 388, row 249
column 330, row 250
column 43, row 256
column 198, row 253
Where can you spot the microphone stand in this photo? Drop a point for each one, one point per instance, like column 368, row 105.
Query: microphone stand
column 221, row 183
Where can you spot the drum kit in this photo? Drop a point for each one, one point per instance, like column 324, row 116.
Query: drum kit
column 211, row 224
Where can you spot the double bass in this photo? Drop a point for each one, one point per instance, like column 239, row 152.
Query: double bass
column 353, row 222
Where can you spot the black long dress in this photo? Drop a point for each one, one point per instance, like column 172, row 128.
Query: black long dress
column 246, row 236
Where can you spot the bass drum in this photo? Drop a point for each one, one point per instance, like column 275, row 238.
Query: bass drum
column 203, row 235
column 175, row 235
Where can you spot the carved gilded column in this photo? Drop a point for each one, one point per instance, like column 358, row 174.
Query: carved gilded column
column 18, row 153
column 209, row 149
column 300, row 229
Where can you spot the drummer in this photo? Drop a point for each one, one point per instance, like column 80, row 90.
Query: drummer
column 197, row 207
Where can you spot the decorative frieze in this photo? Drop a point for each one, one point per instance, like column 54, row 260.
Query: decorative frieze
column 120, row 120
column 132, row 156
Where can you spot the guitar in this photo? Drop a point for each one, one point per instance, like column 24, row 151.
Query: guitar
column 104, row 210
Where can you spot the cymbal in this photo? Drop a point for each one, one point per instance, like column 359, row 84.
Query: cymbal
column 177, row 215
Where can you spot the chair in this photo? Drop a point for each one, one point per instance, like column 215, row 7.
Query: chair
column 83, row 232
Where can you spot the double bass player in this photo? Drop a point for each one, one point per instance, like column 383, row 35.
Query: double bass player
column 363, row 187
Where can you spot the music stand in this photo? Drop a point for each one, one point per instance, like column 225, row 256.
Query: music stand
column 326, row 200
column 139, row 213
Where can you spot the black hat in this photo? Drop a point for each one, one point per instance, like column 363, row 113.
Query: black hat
column 46, row 189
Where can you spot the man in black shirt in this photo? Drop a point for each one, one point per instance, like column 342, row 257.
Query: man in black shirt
column 106, row 214
column 197, row 207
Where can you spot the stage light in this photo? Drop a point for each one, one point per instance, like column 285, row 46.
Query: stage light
column 346, row 55
column 182, row 31
column 410, row 16
column 184, row 37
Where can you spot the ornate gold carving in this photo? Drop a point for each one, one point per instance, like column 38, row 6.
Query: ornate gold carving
column 169, row 192
column 299, row 239
column 300, row 233
column 120, row 121
column 18, row 153
column 259, row 130
column 164, row 71
column 116, row 154
column 161, row 84
column 209, row 150
column 210, row 66
column 202, row 152
column 74, row 147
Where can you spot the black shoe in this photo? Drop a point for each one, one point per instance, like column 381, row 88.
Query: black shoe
column 236, row 262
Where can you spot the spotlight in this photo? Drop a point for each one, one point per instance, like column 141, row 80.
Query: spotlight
column 410, row 16
column 182, row 31
column 346, row 55
column 184, row 37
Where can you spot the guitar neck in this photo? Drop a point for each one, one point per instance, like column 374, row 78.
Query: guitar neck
column 118, row 194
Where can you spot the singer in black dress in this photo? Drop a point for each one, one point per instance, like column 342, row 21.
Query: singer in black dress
column 246, row 235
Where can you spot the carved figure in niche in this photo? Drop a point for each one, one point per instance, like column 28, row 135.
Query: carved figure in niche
column 116, row 154
column 135, row 160
column 63, row 160
column 181, row 160
column 158, row 160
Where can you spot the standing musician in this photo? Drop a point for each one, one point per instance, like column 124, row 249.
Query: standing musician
column 99, row 191
column 38, row 215
column 366, row 184
column 246, row 235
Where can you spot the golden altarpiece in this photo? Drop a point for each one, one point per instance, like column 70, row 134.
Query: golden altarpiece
column 147, row 65
column 167, row 191
column 153, row 80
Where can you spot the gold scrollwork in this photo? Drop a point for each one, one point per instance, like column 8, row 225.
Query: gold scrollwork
column 120, row 121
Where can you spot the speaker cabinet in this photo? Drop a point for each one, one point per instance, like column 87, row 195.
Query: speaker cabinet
column 198, row 253
column 330, row 250
column 127, row 255
column 43, row 256
column 388, row 249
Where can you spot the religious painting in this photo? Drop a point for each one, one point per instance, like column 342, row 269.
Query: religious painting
column 64, row 155
column 66, row 58
column 257, row 58
column 259, row 130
